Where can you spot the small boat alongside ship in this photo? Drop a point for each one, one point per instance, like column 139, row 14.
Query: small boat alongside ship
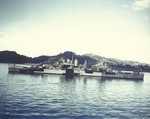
column 19, row 69
column 25, row 69
column 124, row 75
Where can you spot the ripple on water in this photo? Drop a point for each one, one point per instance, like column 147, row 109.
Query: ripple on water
column 37, row 97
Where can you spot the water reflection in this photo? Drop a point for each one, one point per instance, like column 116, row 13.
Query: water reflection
column 56, row 95
column 51, row 96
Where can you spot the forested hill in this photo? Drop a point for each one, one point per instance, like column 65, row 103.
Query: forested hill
column 13, row 57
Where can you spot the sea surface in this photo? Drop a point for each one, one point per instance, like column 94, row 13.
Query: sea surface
column 55, row 97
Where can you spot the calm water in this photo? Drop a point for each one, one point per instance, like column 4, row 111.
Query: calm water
column 49, row 96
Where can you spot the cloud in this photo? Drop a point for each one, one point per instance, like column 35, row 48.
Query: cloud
column 1, row 34
column 141, row 4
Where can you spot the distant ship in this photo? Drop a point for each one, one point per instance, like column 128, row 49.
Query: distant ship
column 69, row 71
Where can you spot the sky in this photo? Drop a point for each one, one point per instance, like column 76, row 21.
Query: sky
column 110, row 28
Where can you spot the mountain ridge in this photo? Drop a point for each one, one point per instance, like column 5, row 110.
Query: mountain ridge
column 14, row 57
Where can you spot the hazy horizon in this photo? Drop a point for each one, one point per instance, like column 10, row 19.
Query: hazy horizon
column 114, row 28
